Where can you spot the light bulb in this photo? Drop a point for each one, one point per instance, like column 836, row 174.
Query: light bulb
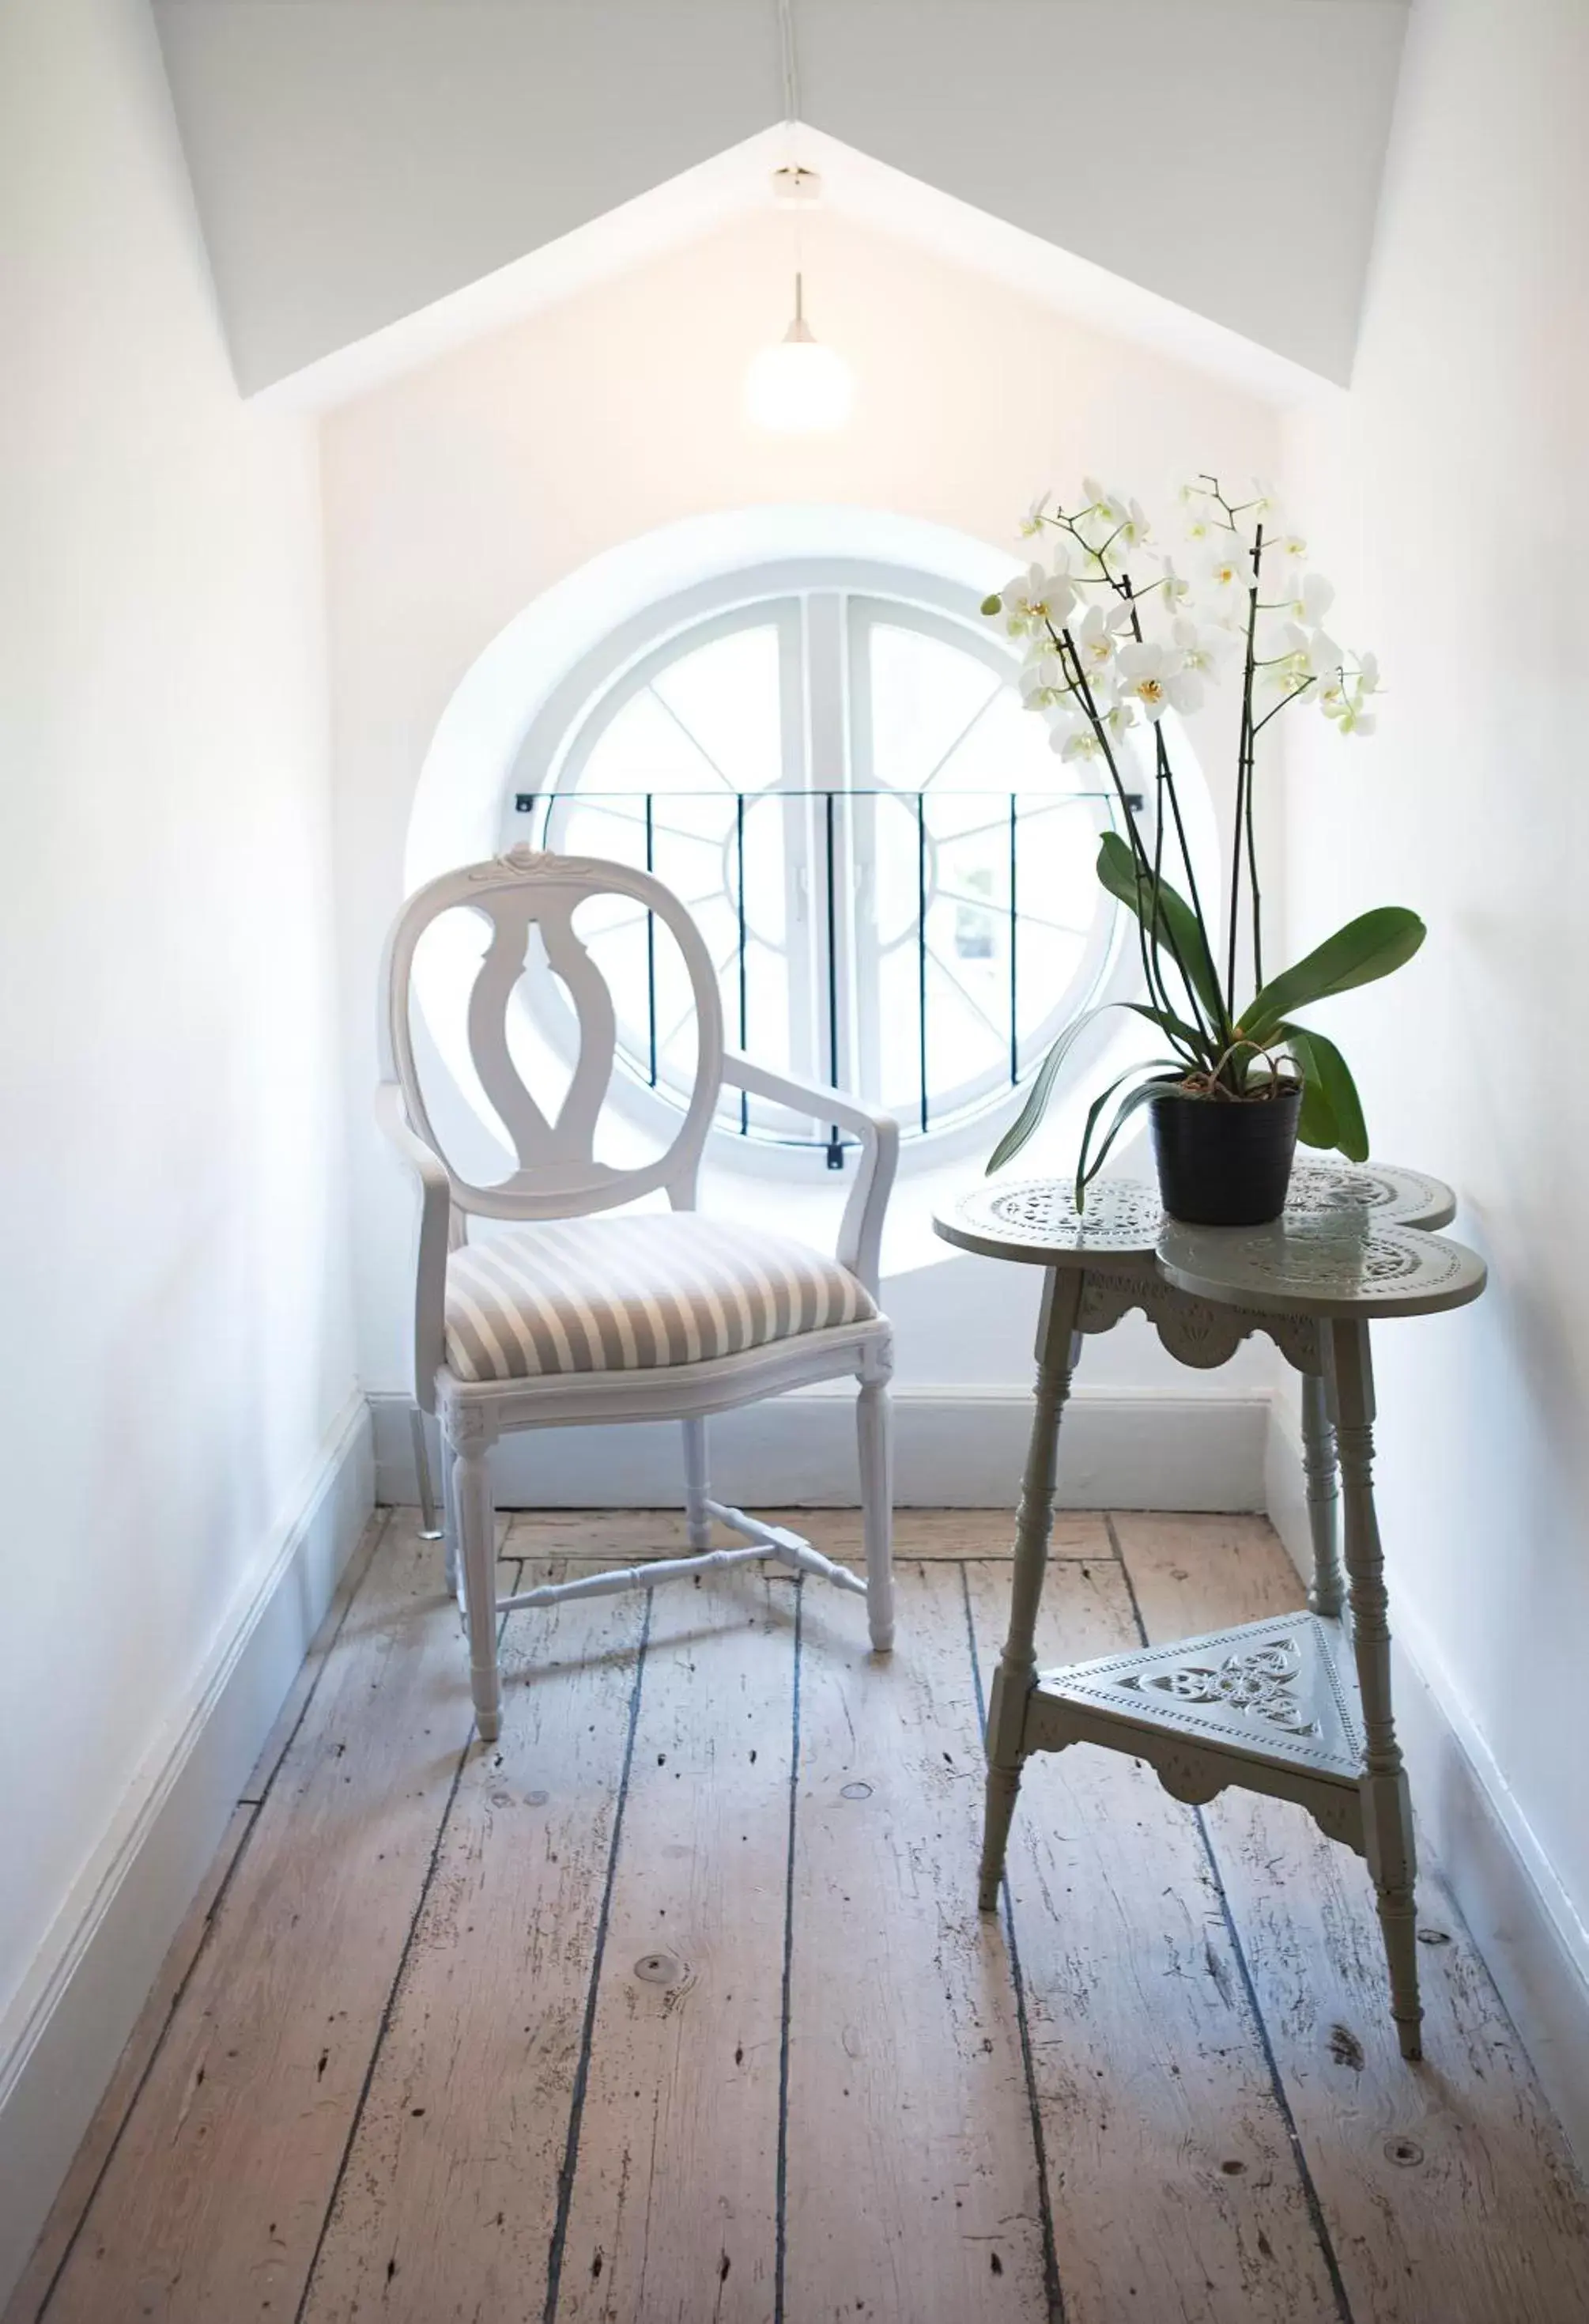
column 799, row 387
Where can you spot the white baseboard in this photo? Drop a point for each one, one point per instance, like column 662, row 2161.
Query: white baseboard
column 1521, row 1919
column 954, row 1448
column 61, row 2036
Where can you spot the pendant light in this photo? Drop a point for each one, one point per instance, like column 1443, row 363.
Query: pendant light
column 798, row 387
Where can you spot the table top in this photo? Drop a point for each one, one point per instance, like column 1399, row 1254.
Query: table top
column 1341, row 1264
column 1351, row 1241
column 1036, row 1220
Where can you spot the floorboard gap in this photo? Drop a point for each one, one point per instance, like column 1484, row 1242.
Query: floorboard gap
column 581, row 2073
column 1277, row 2083
column 384, row 2026
column 1053, row 2287
column 780, row 2234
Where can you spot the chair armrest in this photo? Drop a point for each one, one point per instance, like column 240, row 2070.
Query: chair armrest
column 435, row 1234
column 861, row 1230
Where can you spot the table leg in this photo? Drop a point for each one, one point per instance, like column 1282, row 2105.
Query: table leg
column 1057, row 1346
column 1387, row 1806
column 1326, row 1590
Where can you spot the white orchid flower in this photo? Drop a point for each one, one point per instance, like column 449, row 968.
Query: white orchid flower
column 1076, row 742
column 1308, row 657
column 1175, row 587
column 1290, row 543
column 1096, row 638
column 1310, row 600
column 1132, row 529
column 1109, row 508
column 1203, row 651
column 1035, row 601
column 1154, row 677
column 1036, row 515
column 1368, row 673
column 1042, row 683
column 1230, row 564
column 1353, row 719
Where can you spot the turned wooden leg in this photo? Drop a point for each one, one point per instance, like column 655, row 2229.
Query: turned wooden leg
column 428, row 1528
column 1057, row 1346
column 697, row 1517
column 450, row 1565
column 1387, row 1804
column 472, row 1492
column 874, row 1430
column 1326, row 1592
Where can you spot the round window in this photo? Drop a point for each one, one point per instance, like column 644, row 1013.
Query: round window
column 892, row 873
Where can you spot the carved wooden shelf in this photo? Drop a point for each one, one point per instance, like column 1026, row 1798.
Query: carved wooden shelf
column 1273, row 1706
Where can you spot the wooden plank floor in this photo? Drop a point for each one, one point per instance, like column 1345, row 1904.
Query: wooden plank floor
column 674, row 2005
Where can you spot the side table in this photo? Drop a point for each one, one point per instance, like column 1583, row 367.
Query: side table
column 1298, row 1706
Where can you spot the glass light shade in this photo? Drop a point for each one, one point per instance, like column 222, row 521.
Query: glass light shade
column 799, row 387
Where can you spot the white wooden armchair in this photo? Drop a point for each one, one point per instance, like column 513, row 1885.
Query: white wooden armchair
column 570, row 1317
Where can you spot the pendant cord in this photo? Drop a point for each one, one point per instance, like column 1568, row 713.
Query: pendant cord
column 788, row 60
column 789, row 68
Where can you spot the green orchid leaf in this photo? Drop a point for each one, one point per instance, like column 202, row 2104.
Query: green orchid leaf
column 1021, row 1129
column 1037, row 1097
column 1332, row 1110
column 1177, row 924
column 1165, row 1073
column 1366, row 949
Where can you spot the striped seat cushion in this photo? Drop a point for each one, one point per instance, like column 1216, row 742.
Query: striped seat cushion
column 628, row 1294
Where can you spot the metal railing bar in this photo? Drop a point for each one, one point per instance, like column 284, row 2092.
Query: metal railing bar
column 1043, row 802
column 651, row 946
column 739, row 901
column 922, row 950
column 835, row 1150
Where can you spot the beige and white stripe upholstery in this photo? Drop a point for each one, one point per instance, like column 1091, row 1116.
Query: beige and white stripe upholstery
column 630, row 1293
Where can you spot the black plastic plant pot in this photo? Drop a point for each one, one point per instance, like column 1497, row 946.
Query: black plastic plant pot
column 1224, row 1162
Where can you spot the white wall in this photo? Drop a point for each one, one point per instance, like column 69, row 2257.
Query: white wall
column 458, row 493
column 356, row 162
column 1451, row 493
column 172, row 1268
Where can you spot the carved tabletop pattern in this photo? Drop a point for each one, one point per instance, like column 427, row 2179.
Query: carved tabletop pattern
column 1037, row 1220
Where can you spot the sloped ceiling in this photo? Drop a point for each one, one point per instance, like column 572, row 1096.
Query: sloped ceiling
column 356, row 161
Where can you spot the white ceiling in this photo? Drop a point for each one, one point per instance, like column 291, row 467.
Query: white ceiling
column 357, row 163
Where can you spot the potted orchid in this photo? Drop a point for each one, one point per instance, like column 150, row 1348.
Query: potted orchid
column 1115, row 634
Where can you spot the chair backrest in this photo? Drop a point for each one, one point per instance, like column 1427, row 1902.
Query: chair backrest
column 557, row 1175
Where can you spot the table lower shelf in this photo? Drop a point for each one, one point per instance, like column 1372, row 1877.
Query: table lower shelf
column 1272, row 1706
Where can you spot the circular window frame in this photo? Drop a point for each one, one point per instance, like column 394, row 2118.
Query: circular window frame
column 593, row 691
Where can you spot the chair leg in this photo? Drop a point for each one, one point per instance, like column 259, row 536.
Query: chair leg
column 1057, row 1346
column 428, row 1528
column 1387, row 1804
column 452, row 1566
column 874, row 1427
column 471, row 1493
column 697, row 1486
